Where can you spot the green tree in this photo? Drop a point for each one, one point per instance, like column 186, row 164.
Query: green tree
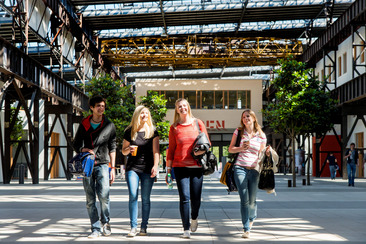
column 120, row 102
column 301, row 105
column 157, row 107
column 17, row 131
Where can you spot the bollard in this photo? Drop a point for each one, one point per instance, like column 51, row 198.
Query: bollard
column 21, row 173
column 304, row 182
column 289, row 183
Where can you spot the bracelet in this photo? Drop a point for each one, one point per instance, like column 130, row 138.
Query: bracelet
column 113, row 167
column 168, row 167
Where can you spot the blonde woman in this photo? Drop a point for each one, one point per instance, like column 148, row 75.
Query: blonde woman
column 188, row 173
column 246, row 174
column 142, row 164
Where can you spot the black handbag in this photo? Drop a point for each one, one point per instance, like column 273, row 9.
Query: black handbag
column 266, row 176
column 208, row 160
column 227, row 176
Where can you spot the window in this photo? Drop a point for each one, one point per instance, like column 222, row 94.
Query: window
column 207, row 99
column 190, row 96
column 323, row 75
column 344, row 63
column 339, row 66
column 330, row 74
column 171, row 96
column 219, row 99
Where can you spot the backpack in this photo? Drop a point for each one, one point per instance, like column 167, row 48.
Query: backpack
column 82, row 164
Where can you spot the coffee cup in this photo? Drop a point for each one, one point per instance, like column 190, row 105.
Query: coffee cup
column 134, row 152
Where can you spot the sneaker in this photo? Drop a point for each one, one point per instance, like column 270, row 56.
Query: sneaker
column 107, row 229
column 194, row 225
column 186, row 234
column 245, row 234
column 143, row 232
column 94, row 234
column 132, row 232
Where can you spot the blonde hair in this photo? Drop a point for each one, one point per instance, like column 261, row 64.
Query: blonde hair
column 257, row 127
column 135, row 123
column 176, row 114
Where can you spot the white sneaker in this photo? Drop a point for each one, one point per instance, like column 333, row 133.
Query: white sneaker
column 245, row 234
column 132, row 233
column 194, row 225
column 94, row 234
column 186, row 234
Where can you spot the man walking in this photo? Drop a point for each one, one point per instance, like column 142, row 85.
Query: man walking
column 97, row 135
column 352, row 157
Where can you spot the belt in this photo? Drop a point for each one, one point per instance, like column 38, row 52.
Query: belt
column 249, row 167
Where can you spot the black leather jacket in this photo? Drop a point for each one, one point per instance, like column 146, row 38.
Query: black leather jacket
column 102, row 139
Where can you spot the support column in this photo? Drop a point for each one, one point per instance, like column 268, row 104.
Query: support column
column 35, row 146
column 6, row 163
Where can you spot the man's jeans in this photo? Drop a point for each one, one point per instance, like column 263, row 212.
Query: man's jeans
column 189, row 184
column 247, row 183
column 351, row 170
column 333, row 171
column 147, row 182
column 97, row 184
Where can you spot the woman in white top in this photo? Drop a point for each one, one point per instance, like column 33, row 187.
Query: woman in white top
column 246, row 176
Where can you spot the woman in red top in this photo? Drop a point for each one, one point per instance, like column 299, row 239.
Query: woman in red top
column 188, row 172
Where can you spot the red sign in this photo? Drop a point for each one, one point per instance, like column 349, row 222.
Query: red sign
column 215, row 124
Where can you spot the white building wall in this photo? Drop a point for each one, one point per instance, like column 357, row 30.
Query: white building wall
column 213, row 118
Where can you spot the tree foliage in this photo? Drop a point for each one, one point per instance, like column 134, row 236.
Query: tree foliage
column 301, row 105
column 17, row 131
column 157, row 106
column 120, row 102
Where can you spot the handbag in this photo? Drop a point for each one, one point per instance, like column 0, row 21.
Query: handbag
column 208, row 160
column 266, row 176
column 227, row 175
column 82, row 164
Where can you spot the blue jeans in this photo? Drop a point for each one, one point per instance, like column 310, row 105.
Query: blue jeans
column 189, row 184
column 351, row 170
column 133, row 178
column 97, row 184
column 333, row 171
column 247, row 183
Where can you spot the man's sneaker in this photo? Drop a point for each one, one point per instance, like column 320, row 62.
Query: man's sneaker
column 132, row 232
column 194, row 225
column 186, row 234
column 245, row 234
column 107, row 229
column 143, row 232
column 94, row 234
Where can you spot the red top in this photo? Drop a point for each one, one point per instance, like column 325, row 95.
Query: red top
column 181, row 139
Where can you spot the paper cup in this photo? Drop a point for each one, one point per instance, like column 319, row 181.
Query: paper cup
column 133, row 153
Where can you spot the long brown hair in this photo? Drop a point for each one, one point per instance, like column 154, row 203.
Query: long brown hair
column 257, row 127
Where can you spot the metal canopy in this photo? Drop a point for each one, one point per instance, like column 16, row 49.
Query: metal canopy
column 121, row 25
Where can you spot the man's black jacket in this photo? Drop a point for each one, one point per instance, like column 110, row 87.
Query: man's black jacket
column 103, row 139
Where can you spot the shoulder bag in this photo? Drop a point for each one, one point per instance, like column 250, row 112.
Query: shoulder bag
column 266, row 176
column 227, row 175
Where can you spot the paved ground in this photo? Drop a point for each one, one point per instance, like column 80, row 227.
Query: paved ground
column 54, row 211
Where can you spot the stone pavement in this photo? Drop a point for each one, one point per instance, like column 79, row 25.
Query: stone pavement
column 54, row 211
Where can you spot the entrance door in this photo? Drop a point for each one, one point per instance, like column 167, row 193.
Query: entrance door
column 359, row 144
column 55, row 141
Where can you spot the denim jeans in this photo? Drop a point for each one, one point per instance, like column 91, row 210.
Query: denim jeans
column 97, row 185
column 333, row 171
column 189, row 184
column 351, row 170
column 247, row 183
column 133, row 178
